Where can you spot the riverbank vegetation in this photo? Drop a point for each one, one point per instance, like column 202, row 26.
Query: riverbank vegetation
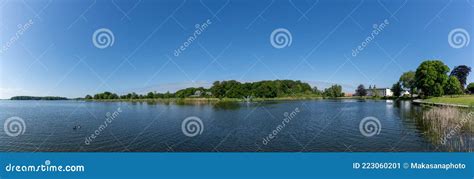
column 430, row 81
column 449, row 126
column 37, row 98
column 235, row 91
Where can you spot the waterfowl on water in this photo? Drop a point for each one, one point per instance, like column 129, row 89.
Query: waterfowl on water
column 76, row 127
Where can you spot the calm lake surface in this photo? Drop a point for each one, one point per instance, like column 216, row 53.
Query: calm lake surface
column 311, row 125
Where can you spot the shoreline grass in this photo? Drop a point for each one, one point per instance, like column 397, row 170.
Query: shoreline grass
column 467, row 100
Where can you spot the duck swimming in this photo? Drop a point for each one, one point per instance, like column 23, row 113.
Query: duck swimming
column 76, row 127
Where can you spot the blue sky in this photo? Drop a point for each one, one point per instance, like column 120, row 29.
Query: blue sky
column 55, row 54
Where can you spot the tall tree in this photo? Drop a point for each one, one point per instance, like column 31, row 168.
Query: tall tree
column 397, row 89
column 470, row 88
column 430, row 77
column 316, row 91
column 150, row 95
column 361, row 91
column 334, row 91
column 408, row 81
column 461, row 72
column 453, row 86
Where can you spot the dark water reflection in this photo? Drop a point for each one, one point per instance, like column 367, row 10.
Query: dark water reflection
column 319, row 125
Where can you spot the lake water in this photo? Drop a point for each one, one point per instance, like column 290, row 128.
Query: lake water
column 310, row 125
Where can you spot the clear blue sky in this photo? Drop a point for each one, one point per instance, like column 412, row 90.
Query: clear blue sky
column 55, row 55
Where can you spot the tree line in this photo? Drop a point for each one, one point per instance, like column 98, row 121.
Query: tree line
column 431, row 78
column 37, row 98
column 235, row 89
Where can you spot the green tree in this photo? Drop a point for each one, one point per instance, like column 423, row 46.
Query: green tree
column 361, row 91
column 431, row 77
column 453, row 86
column 408, row 81
column 217, row 89
column 113, row 96
column 134, row 96
column 266, row 89
column 461, row 72
column 397, row 89
column 88, row 97
column 316, row 91
column 167, row 95
column 470, row 88
column 150, row 95
column 334, row 91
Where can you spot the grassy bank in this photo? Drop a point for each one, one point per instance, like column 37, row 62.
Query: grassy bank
column 460, row 99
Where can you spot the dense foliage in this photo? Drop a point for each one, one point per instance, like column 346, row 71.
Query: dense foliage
column 431, row 77
column 397, row 89
column 232, row 89
column 333, row 92
column 461, row 72
column 470, row 88
column 37, row 98
column 361, row 91
column 453, row 86
column 260, row 89
column 407, row 80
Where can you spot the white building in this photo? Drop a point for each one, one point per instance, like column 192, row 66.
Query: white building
column 380, row 92
column 405, row 93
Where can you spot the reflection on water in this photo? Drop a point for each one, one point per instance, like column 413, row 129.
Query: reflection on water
column 321, row 125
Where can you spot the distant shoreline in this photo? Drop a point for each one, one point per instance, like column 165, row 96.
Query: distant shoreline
column 230, row 99
column 202, row 99
column 205, row 99
column 47, row 98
